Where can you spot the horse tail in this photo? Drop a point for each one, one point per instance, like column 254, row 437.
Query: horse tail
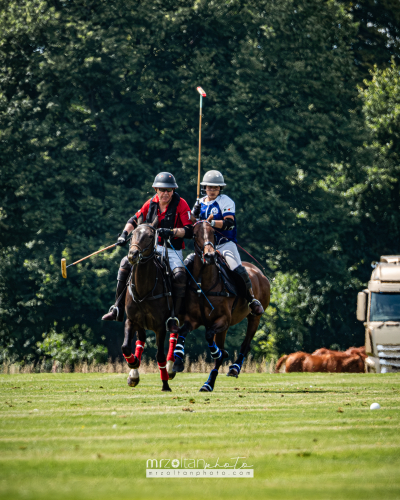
column 280, row 363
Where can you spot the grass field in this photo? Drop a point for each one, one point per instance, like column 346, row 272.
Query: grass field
column 88, row 436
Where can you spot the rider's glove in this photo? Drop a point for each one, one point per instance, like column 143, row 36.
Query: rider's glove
column 165, row 233
column 122, row 240
column 196, row 209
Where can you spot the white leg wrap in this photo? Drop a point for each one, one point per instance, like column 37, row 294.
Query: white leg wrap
column 170, row 364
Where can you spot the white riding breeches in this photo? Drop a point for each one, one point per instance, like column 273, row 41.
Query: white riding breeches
column 172, row 257
column 230, row 252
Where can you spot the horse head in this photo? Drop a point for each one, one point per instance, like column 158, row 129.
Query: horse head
column 142, row 244
column 204, row 241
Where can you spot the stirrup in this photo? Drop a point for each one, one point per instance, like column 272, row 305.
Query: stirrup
column 112, row 314
column 173, row 318
column 113, row 308
column 256, row 304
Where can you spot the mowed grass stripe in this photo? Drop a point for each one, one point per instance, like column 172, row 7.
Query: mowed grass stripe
column 299, row 444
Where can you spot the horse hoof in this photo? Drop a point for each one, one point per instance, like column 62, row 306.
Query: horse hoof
column 205, row 388
column 166, row 389
column 178, row 365
column 133, row 378
column 171, row 375
column 232, row 373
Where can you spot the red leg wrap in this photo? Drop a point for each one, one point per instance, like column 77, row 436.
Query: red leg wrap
column 139, row 350
column 173, row 338
column 129, row 359
column 163, row 371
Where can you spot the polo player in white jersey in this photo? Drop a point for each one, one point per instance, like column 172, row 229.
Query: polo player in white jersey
column 224, row 221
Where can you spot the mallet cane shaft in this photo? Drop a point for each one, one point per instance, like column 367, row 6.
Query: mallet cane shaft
column 64, row 266
column 202, row 94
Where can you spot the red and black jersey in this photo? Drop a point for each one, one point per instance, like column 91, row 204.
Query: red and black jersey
column 176, row 215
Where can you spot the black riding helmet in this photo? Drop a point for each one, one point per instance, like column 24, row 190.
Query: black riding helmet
column 165, row 180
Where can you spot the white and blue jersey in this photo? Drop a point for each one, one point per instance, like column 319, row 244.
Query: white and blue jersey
column 220, row 208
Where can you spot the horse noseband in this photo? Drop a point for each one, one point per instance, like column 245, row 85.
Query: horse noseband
column 144, row 258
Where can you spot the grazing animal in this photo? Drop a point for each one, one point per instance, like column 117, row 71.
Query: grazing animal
column 348, row 352
column 332, row 362
column 147, row 304
column 228, row 310
column 293, row 362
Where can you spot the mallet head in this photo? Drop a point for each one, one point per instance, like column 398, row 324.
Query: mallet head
column 201, row 91
column 64, row 268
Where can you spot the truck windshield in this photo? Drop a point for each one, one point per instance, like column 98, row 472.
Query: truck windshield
column 385, row 307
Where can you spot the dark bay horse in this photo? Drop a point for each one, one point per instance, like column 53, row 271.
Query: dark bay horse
column 217, row 321
column 147, row 305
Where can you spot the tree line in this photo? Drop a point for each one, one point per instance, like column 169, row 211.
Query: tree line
column 301, row 117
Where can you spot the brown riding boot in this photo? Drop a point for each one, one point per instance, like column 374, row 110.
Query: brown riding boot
column 116, row 312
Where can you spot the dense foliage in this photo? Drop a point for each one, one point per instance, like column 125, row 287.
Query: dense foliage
column 97, row 97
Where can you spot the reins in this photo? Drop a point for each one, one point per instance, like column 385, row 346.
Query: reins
column 237, row 244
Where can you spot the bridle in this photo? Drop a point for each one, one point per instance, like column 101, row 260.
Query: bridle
column 142, row 257
column 197, row 248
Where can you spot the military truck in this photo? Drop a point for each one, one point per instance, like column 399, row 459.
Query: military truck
column 378, row 307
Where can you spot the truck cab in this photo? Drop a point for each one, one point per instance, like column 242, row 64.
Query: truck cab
column 378, row 307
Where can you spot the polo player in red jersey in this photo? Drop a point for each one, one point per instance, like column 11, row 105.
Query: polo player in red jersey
column 174, row 222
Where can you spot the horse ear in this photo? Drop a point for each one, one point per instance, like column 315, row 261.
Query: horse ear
column 140, row 220
column 155, row 222
column 210, row 218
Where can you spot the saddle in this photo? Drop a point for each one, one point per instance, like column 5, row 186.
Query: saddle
column 233, row 285
column 231, row 280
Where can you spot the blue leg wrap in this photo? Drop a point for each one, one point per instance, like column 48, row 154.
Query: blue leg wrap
column 239, row 363
column 216, row 352
column 209, row 385
column 179, row 351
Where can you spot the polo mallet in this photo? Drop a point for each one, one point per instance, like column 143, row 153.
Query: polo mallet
column 64, row 266
column 202, row 94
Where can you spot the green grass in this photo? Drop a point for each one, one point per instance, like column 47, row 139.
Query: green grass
column 300, row 445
